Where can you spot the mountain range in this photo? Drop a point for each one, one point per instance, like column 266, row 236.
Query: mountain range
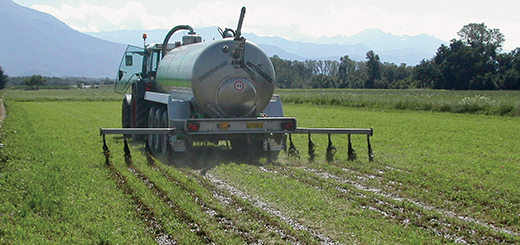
column 391, row 48
column 37, row 43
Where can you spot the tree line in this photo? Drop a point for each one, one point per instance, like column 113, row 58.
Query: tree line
column 35, row 82
column 472, row 61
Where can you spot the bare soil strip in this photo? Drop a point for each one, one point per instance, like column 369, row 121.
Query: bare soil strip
column 270, row 224
column 257, row 202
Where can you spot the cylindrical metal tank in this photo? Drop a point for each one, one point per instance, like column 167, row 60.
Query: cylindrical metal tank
column 226, row 78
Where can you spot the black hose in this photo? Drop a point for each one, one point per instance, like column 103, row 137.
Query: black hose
column 170, row 34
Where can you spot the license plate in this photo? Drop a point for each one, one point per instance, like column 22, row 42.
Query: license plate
column 223, row 125
column 254, row 125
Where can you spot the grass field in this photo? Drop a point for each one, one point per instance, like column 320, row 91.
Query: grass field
column 437, row 178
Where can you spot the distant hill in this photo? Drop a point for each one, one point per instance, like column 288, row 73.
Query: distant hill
column 37, row 43
column 391, row 48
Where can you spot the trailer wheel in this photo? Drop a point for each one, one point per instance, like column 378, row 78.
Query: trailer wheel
column 165, row 147
column 151, row 124
column 126, row 110
column 253, row 150
column 157, row 138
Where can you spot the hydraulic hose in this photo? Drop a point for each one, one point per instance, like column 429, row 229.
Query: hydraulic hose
column 170, row 34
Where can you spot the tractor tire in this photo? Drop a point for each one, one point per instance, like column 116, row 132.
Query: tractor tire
column 151, row 124
column 141, row 108
column 126, row 113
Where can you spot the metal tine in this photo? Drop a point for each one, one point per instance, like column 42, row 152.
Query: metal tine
column 149, row 154
column 312, row 149
column 128, row 156
column 331, row 150
column 292, row 149
column 106, row 151
column 351, row 152
column 370, row 153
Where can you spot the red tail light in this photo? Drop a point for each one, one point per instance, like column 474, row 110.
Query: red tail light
column 288, row 126
column 193, row 126
column 149, row 86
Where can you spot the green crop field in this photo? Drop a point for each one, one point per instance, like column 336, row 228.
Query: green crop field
column 504, row 103
column 439, row 176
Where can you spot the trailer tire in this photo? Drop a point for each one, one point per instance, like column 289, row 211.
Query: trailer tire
column 253, row 150
column 151, row 118
column 164, row 140
column 158, row 124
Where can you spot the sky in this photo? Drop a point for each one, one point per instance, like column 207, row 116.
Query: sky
column 296, row 20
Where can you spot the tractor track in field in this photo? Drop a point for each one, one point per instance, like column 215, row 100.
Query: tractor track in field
column 163, row 196
column 154, row 225
column 363, row 177
column 226, row 223
column 236, row 201
column 444, row 223
column 235, row 193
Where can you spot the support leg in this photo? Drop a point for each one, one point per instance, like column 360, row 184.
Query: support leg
column 292, row 149
column 312, row 149
column 331, row 151
column 106, row 151
column 351, row 152
column 370, row 153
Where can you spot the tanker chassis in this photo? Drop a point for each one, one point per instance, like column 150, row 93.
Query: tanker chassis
column 176, row 94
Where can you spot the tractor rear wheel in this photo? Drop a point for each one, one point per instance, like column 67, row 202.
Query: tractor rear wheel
column 126, row 112
column 141, row 108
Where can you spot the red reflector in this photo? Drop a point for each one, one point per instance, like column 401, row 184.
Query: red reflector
column 193, row 126
column 289, row 126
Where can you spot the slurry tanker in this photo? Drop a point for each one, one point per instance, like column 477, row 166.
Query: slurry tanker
column 178, row 93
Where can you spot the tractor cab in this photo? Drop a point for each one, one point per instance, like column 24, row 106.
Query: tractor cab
column 142, row 63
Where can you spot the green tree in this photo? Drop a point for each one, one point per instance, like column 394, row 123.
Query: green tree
column 346, row 72
column 35, row 81
column 3, row 78
column 480, row 36
column 470, row 62
column 510, row 70
column 373, row 69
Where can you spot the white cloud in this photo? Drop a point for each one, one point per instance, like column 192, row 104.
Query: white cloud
column 90, row 18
